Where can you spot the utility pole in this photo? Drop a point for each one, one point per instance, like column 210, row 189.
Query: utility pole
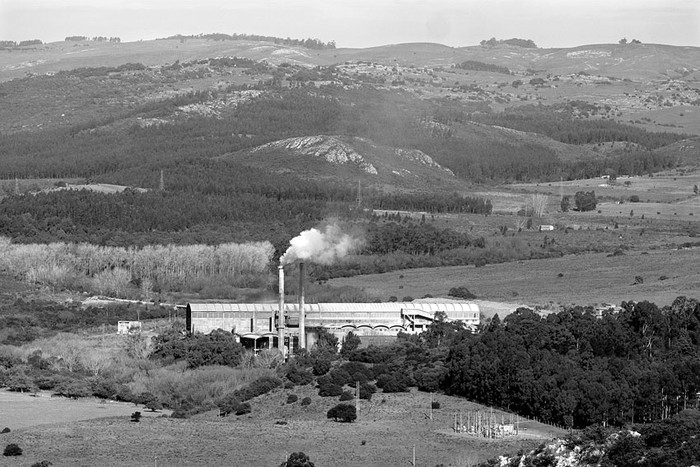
column 359, row 193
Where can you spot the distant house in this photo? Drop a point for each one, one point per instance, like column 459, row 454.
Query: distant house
column 546, row 227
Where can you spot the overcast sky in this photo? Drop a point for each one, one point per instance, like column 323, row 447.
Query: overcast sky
column 361, row 23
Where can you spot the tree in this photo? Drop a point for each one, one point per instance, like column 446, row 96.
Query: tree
column 350, row 343
column 345, row 413
column 623, row 41
column 297, row 459
column 585, row 201
column 565, row 203
column 325, row 341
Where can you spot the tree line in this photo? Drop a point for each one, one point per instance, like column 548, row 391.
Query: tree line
column 307, row 43
column 576, row 369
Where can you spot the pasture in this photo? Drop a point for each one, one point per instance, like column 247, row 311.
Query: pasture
column 383, row 435
column 585, row 279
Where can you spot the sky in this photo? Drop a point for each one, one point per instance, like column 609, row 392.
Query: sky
column 361, row 23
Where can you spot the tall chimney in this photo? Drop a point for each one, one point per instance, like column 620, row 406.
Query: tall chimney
column 302, row 327
column 280, row 317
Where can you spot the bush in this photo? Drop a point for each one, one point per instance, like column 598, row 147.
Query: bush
column 306, row 401
column 297, row 459
column 257, row 388
column 5, row 430
column 292, row 398
column 461, row 292
column 299, row 376
column 392, row 383
column 328, row 389
column 346, row 396
column 42, row 464
column 243, row 408
column 179, row 413
column 321, row 366
column 366, row 391
column 12, row 450
column 342, row 413
column 341, row 377
column 355, row 368
column 136, row 417
column 435, row 405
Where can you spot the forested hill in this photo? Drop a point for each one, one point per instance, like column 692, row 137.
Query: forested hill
column 289, row 131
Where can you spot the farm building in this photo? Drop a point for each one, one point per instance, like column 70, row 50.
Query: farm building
column 256, row 323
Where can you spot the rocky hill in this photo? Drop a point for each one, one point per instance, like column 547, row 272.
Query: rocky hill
column 345, row 158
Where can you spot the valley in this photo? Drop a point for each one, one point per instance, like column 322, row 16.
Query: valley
column 555, row 188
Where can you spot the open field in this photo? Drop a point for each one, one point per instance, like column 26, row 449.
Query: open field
column 384, row 435
column 586, row 279
column 22, row 410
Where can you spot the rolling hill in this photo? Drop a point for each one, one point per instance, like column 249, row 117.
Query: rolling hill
column 403, row 116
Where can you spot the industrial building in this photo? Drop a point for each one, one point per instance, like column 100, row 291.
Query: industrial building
column 257, row 324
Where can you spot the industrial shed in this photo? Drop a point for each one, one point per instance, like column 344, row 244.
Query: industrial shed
column 256, row 324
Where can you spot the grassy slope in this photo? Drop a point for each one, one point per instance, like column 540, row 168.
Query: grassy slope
column 587, row 279
column 384, row 435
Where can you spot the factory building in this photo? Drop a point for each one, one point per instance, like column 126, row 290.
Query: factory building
column 257, row 324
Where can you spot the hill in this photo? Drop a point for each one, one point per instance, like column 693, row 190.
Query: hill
column 336, row 158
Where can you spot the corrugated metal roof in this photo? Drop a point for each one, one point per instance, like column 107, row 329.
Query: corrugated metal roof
column 390, row 307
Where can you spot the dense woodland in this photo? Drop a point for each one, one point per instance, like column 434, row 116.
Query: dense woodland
column 574, row 369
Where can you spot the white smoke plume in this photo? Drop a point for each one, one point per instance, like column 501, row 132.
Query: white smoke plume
column 322, row 247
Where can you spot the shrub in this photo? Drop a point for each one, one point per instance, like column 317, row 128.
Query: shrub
column 461, row 292
column 342, row 413
column 228, row 404
column 136, row 417
column 435, row 405
column 328, row 389
column 42, row 464
column 297, row 459
column 5, row 430
column 354, row 368
column 299, row 376
column 392, row 383
column 306, row 401
column 366, row 391
column 340, row 377
column 292, row 398
column 243, row 408
column 321, row 366
column 179, row 413
column 360, row 378
column 346, row 396
column 12, row 450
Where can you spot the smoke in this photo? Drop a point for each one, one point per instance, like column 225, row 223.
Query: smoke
column 322, row 247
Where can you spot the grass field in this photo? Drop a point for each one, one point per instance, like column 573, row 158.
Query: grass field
column 586, row 279
column 22, row 410
column 384, row 435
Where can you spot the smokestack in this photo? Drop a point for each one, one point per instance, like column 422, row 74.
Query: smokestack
column 302, row 327
column 280, row 318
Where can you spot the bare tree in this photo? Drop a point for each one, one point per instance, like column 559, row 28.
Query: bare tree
column 538, row 203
